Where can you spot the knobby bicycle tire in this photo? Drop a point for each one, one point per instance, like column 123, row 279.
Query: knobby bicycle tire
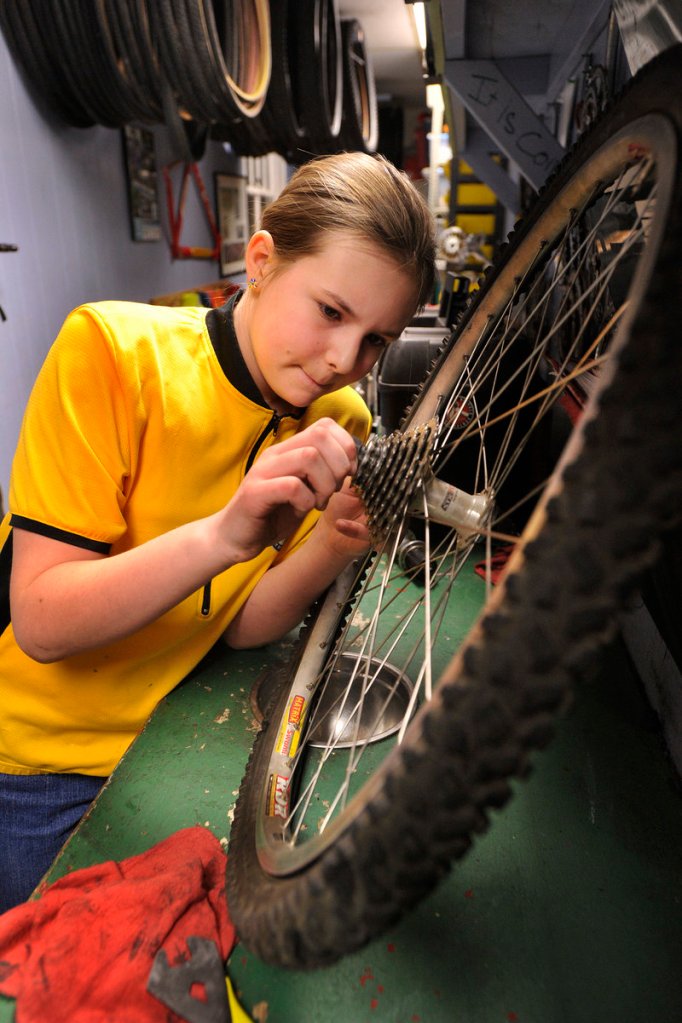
column 614, row 488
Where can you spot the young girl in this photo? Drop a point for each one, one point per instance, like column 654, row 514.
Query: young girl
column 180, row 478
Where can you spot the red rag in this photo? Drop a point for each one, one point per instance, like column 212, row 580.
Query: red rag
column 82, row 953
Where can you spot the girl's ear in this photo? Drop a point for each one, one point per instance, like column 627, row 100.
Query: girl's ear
column 260, row 251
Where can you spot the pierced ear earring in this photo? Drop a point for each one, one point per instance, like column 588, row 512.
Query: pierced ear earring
column 253, row 283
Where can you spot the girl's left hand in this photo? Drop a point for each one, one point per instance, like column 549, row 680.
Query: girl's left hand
column 344, row 523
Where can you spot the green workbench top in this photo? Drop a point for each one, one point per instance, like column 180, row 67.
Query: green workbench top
column 569, row 909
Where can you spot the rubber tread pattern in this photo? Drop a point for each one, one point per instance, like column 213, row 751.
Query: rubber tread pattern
column 44, row 73
column 117, row 62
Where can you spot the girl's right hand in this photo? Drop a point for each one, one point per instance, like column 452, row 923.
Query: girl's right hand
column 285, row 483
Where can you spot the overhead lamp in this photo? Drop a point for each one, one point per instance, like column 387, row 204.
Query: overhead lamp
column 419, row 12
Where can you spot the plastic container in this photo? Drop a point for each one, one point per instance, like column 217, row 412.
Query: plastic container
column 403, row 368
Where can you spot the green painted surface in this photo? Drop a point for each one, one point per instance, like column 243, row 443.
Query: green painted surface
column 568, row 910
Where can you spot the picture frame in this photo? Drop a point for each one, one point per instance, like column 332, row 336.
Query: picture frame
column 232, row 216
column 143, row 188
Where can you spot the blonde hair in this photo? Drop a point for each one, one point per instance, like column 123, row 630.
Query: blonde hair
column 365, row 195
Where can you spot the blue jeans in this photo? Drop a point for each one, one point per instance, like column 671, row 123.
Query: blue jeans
column 38, row 812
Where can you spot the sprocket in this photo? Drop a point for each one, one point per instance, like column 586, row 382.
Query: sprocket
column 390, row 471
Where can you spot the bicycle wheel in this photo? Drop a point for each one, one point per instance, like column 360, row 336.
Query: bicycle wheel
column 549, row 423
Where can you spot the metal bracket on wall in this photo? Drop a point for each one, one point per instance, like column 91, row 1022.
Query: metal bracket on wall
column 6, row 247
column 503, row 114
column 479, row 153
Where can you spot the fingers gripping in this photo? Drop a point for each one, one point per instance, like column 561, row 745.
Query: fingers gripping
column 320, row 458
column 288, row 481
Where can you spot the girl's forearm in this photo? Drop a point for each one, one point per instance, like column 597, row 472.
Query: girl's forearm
column 66, row 600
column 283, row 596
column 77, row 605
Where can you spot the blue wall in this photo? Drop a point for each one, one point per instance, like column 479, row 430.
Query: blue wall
column 63, row 201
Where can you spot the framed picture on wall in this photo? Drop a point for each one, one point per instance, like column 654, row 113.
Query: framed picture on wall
column 143, row 194
column 232, row 221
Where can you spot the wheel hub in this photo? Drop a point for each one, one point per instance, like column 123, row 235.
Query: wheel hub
column 395, row 478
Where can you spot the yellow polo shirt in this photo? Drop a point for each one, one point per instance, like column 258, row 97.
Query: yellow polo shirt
column 132, row 429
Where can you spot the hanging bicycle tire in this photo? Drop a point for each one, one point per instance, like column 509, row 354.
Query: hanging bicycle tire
column 82, row 36
column 130, row 31
column 360, row 114
column 41, row 63
column 281, row 120
column 317, row 70
column 308, row 883
column 216, row 55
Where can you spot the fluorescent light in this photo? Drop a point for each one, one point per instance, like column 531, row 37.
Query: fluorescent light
column 434, row 97
column 420, row 23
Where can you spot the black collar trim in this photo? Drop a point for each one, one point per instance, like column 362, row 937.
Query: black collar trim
column 220, row 324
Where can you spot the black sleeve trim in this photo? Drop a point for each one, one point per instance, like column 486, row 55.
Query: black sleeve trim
column 5, row 573
column 32, row 526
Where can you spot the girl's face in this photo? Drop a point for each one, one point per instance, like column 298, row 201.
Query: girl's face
column 320, row 323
